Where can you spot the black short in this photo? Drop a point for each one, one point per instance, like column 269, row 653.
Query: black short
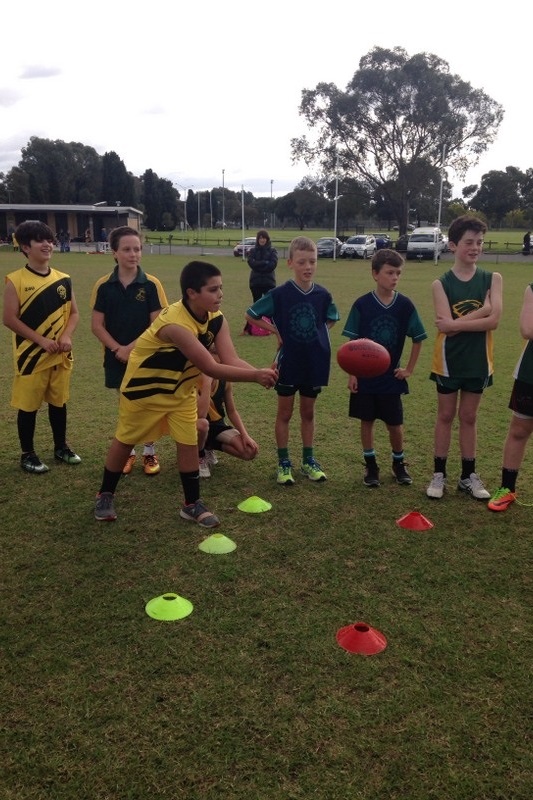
column 521, row 401
column 284, row 390
column 368, row 407
column 215, row 429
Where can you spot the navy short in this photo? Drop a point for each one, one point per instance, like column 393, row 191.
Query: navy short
column 368, row 407
column 284, row 390
column 521, row 402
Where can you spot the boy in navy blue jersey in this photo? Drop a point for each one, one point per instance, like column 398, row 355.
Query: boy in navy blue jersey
column 302, row 312
column 387, row 317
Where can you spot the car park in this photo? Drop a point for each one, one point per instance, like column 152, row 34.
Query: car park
column 246, row 245
column 359, row 246
column 326, row 246
column 382, row 240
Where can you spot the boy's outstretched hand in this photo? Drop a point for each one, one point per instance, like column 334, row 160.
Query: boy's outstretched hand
column 267, row 377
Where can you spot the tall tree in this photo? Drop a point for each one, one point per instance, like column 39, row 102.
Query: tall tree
column 396, row 113
column 117, row 182
column 498, row 194
column 61, row 172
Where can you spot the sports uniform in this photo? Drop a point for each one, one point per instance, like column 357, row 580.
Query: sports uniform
column 301, row 318
column 466, row 355
column 127, row 311
column 158, row 392
column 45, row 305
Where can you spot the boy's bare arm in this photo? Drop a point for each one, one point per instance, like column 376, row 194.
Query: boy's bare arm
column 407, row 371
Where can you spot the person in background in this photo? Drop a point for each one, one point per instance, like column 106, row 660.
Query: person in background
column 262, row 260
column 41, row 311
column 527, row 243
column 124, row 303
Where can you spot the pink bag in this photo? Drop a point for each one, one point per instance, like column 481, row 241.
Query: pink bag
column 255, row 330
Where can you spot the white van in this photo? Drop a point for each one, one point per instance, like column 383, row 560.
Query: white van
column 424, row 242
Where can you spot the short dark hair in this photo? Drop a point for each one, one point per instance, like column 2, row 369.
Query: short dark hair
column 466, row 222
column 117, row 233
column 386, row 256
column 33, row 230
column 195, row 274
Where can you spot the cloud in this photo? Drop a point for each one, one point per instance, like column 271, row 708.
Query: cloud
column 40, row 71
column 8, row 97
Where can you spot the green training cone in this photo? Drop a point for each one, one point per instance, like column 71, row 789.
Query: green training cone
column 217, row 544
column 168, row 607
column 254, row 505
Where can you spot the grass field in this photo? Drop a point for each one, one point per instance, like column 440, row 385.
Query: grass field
column 250, row 697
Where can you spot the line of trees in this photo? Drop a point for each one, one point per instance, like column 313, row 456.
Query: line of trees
column 380, row 150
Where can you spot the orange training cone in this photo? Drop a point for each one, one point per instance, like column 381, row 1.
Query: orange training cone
column 415, row 521
column 361, row 638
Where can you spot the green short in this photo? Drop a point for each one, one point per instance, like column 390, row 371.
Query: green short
column 447, row 385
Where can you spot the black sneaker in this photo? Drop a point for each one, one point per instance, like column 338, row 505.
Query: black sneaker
column 30, row 462
column 371, row 478
column 67, row 455
column 400, row 473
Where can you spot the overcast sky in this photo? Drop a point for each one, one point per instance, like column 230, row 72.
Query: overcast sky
column 190, row 89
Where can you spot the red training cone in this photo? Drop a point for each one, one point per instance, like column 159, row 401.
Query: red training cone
column 414, row 521
column 361, row 638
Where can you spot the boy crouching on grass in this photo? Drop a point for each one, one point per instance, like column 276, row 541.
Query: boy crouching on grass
column 158, row 392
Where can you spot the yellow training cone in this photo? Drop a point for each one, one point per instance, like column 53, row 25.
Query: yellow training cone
column 217, row 544
column 168, row 607
column 254, row 505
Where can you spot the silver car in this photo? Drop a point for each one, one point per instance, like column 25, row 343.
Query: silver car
column 359, row 246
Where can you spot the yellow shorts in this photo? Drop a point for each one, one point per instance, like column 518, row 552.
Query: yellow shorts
column 142, row 421
column 50, row 385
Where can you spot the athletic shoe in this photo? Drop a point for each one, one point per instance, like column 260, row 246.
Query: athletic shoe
column 371, row 477
column 474, row 486
column 32, row 463
column 211, row 457
column 501, row 500
column 197, row 512
column 285, row 473
column 313, row 470
column 104, row 510
column 205, row 472
column 128, row 466
column 67, row 455
column 400, row 473
column 437, row 486
column 151, row 465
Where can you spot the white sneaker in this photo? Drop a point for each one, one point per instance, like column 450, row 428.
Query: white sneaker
column 211, row 457
column 437, row 486
column 205, row 472
column 474, row 486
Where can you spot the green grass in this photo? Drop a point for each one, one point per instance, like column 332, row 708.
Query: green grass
column 250, row 697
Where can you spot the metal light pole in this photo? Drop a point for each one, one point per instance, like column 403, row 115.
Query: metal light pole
column 223, row 209
column 271, row 214
column 437, row 243
column 335, row 214
column 211, row 206
column 199, row 223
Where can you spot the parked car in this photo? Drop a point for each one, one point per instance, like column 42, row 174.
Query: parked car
column 247, row 244
column 325, row 247
column 359, row 246
column 425, row 243
column 402, row 242
column 410, row 227
column 382, row 240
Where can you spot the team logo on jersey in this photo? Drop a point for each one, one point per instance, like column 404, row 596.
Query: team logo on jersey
column 303, row 323
column 141, row 296
column 62, row 292
column 464, row 307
